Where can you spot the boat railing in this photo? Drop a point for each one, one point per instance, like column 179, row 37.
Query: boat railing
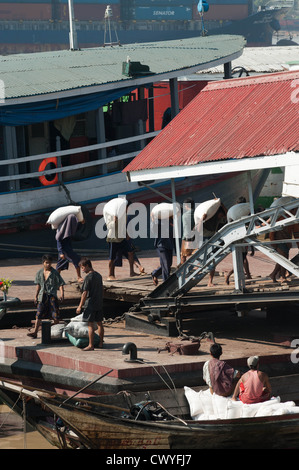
column 11, row 166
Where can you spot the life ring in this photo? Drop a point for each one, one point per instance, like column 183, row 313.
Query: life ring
column 43, row 179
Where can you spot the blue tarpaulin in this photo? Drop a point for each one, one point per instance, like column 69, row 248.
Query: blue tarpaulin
column 29, row 113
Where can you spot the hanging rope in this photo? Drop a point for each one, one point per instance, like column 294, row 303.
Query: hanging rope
column 24, row 422
column 11, row 409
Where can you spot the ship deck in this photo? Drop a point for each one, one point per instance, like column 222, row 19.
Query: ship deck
column 62, row 366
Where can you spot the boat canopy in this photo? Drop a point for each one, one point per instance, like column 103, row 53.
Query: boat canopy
column 30, row 113
column 52, row 85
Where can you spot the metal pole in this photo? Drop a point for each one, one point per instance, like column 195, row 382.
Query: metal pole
column 86, row 386
column 174, row 96
column 176, row 223
column 72, row 33
column 250, row 193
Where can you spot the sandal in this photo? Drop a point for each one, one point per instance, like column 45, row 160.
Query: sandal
column 32, row 335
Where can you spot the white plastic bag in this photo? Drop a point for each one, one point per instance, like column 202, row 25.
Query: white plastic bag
column 57, row 331
column 79, row 328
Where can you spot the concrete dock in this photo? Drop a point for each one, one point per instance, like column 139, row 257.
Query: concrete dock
column 64, row 367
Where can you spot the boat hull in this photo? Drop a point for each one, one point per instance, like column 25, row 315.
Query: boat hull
column 108, row 422
column 256, row 28
column 100, row 432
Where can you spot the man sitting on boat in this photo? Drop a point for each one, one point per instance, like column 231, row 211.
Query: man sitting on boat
column 218, row 375
column 254, row 385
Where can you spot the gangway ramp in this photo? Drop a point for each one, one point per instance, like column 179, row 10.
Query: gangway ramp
column 167, row 302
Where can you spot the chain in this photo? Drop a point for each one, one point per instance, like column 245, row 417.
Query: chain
column 109, row 321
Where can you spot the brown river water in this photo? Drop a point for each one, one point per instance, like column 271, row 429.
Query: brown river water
column 12, row 434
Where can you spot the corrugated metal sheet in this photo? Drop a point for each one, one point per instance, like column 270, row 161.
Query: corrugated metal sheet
column 232, row 119
column 47, row 72
column 263, row 59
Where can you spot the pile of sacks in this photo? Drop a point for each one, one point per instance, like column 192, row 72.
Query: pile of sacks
column 76, row 331
column 205, row 406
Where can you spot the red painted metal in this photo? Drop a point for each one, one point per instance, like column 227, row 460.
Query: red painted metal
column 231, row 119
column 88, row 11
column 25, row 11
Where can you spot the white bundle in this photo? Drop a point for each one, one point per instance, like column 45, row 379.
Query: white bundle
column 60, row 214
column 282, row 200
column 57, row 331
column 238, row 211
column 115, row 207
column 206, row 406
column 209, row 208
column 79, row 328
column 164, row 210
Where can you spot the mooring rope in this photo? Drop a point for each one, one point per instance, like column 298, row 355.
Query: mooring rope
column 24, row 422
column 11, row 409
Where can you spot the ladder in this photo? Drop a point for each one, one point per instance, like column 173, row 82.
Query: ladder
column 230, row 239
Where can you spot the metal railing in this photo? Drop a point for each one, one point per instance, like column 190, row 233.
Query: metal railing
column 229, row 237
column 60, row 154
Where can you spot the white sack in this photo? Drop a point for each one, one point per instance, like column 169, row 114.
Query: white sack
column 238, row 211
column 282, row 200
column 79, row 328
column 164, row 210
column 57, row 331
column 209, row 207
column 115, row 207
column 60, row 214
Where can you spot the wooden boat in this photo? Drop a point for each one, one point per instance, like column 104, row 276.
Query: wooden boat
column 152, row 420
column 27, row 403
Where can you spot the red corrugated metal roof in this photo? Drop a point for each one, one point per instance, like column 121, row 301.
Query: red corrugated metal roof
column 231, row 119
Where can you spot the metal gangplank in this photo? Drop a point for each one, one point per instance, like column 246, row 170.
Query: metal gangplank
column 229, row 239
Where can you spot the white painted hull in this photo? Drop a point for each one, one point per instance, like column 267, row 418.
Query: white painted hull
column 43, row 199
column 102, row 188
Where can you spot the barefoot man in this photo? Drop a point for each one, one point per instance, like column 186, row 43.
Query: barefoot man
column 91, row 302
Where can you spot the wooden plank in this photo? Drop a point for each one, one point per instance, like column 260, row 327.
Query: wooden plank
column 133, row 289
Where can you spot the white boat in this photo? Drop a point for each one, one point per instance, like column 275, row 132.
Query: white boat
column 61, row 147
column 23, row 229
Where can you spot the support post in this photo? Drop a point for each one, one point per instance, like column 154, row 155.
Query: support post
column 151, row 110
column 101, row 138
column 59, row 164
column 176, row 223
column 250, row 192
column 227, row 70
column 72, row 33
column 238, row 268
column 10, row 146
column 174, row 96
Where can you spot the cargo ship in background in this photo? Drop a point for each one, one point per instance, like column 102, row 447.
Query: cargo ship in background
column 43, row 25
